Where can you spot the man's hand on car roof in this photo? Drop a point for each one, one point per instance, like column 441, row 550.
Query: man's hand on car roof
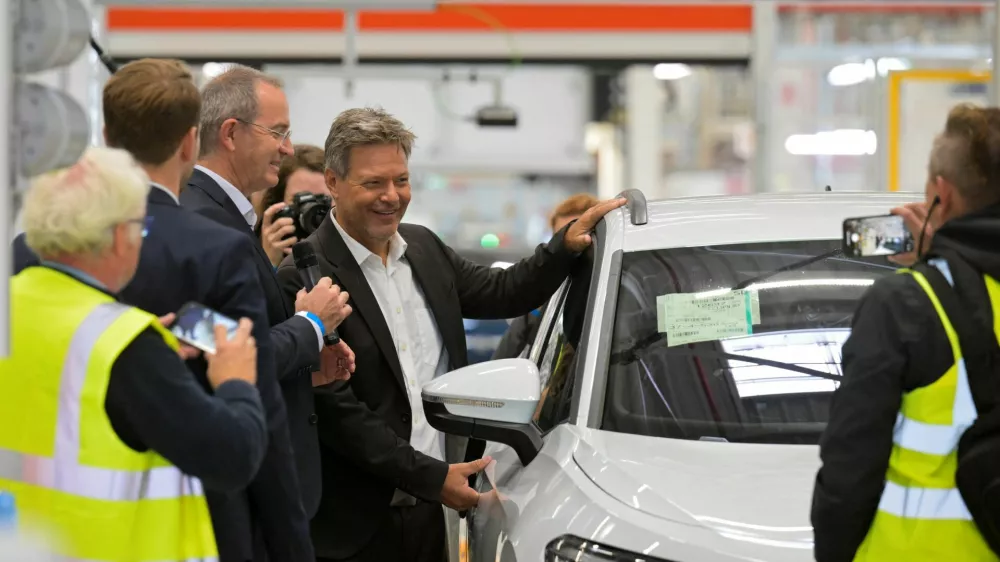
column 577, row 237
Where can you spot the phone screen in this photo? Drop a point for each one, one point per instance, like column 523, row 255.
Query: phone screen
column 884, row 235
column 195, row 326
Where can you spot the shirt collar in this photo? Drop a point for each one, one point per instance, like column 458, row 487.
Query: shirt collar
column 75, row 273
column 397, row 246
column 167, row 191
column 243, row 205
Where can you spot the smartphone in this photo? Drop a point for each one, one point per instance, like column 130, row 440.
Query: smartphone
column 195, row 326
column 884, row 235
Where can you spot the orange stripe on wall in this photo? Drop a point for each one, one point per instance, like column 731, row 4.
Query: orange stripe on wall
column 449, row 17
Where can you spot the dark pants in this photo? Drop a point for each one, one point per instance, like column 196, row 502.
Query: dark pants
column 412, row 534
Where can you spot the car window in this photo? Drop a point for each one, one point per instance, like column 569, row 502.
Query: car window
column 772, row 385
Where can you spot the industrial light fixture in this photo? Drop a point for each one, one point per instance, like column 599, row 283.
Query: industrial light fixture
column 839, row 142
column 671, row 71
column 852, row 73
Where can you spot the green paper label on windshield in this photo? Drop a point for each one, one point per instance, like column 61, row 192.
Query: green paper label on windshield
column 698, row 317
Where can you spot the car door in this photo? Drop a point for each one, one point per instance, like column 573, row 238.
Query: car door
column 488, row 524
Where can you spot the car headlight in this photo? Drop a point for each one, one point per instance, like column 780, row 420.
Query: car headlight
column 568, row 548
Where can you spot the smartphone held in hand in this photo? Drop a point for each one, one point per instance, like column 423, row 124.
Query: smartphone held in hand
column 195, row 326
column 883, row 235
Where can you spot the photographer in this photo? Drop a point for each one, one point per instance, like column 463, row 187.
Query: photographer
column 302, row 172
column 887, row 487
column 95, row 395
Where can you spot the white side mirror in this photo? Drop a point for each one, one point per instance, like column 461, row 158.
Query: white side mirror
column 505, row 390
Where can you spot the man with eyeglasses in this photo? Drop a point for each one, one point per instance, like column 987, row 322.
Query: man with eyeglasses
column 244, row 137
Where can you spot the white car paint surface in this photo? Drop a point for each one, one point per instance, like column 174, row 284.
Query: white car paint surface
column 677, row 500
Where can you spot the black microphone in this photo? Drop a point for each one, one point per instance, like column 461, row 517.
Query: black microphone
column 305, row 261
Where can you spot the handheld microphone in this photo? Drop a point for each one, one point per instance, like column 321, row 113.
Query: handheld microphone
column 308, row 266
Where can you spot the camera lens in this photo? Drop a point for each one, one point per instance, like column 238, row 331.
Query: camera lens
column 313, row 212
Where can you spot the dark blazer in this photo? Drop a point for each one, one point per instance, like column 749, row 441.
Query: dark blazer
column 364, row 424
column 293, row 338
column 186, row 257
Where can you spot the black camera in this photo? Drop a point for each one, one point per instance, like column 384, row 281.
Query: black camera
column 307, row 212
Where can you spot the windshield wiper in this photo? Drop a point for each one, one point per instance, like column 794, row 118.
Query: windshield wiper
column 789, row 267
column 631, row 355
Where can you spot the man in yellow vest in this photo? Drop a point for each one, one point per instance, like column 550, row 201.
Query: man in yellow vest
column 887, row 488
column 101, row 423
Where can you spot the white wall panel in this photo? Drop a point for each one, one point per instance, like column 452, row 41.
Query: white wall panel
column 553, row 107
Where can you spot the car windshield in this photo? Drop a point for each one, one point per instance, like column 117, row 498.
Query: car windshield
column 692, row 358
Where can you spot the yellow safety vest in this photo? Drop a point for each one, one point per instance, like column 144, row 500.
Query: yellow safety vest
column 75, row 483
column 921, row 515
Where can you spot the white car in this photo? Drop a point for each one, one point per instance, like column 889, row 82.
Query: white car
column 684, row 427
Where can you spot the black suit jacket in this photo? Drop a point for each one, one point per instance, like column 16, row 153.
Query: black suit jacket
column 365, row 424
column 186, row 257
column 293, row 338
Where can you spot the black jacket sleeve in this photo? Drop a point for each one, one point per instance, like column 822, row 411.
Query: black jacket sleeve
column 896, row 344
column 155, row 403
column 296, row 347
column 492, row 293
column 274, row 490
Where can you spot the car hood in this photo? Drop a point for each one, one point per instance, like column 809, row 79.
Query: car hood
column 747, row 492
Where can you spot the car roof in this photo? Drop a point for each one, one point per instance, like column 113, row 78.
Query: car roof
column 701, row 221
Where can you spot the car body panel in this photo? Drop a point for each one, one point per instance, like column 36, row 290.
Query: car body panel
column 675, row 500
column 702, row 221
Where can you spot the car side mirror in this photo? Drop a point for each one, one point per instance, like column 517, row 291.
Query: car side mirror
column 491, row 401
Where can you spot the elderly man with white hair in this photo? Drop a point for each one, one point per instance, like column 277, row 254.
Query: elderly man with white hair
column 103, row 429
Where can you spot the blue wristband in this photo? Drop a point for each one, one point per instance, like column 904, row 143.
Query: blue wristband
column 315, row 319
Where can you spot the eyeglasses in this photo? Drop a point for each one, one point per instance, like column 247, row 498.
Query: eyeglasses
column 280, row 136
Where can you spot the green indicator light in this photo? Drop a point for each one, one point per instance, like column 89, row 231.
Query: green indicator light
column 489, row 241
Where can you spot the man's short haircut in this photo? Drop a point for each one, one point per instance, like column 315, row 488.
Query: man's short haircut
column 230, row 95
column 149, row 106
column 572, row 207
column 73, row 211
column 360, row 127
column 967, row 154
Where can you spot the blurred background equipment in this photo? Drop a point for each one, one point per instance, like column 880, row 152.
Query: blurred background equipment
column 46, row 128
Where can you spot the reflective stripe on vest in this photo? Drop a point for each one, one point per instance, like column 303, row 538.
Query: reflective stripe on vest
column 921, row 515
column 152, row 511
column 63, row 472
column 933, row 439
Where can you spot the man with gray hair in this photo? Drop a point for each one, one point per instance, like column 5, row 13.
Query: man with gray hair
column 244, row 137
column 95, row 394
column 384, row 467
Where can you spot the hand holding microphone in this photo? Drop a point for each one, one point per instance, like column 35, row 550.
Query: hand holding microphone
column 319, row 296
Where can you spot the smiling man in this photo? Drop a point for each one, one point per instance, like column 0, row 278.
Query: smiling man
column 385, row 475
column 244, row 137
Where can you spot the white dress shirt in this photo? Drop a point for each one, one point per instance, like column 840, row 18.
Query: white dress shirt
column 414, row 332
column 245, row 207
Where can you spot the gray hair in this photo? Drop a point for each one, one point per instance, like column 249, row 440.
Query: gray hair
column 72, row 211
column 230, row 95
column 360, row 127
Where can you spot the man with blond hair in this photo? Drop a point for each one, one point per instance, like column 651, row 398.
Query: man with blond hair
column 385, row 470
column 245, row 136
column 111, row 436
